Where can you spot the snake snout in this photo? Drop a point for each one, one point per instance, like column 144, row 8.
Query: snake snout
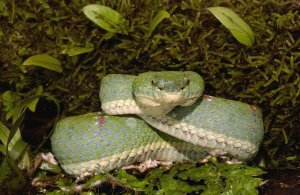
column 172, row 98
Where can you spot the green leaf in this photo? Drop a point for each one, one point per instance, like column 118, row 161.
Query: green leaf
column 50, row 167
column 131, row 181
column 18, row 149
column 3, row 8
column 74, row 51
column 10, row 101
column 45, row 61
column 4, row 133
column 32, row 105
column 107, row 18
column 9, row 179
column 2, row 149
column 156, row 20
column 21, row 107
column 237, row 26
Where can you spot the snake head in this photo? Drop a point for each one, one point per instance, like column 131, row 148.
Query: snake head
column 167, row 88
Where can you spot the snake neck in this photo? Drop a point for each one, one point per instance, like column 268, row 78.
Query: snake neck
column 206, row 138
column 130, row 106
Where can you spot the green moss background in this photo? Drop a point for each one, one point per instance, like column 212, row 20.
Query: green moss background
column 266, row 74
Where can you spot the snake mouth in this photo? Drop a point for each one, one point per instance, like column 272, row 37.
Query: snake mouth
column 173, row 99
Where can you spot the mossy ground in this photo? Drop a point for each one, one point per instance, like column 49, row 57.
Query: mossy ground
column 266, row 74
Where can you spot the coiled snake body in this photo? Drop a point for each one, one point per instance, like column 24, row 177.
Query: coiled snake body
column 197, row 128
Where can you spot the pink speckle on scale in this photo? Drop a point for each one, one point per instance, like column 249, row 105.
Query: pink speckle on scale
column 207, row 98
column 101, row 120
column 253, row 108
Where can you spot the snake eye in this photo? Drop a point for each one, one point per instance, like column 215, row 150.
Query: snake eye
column 156, row 84
column 185, row 83
column 153, row 82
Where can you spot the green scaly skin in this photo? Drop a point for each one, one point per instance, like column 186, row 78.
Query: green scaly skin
column 154, row 93
column 89, row 144
column 219, row 125
column 93, row 143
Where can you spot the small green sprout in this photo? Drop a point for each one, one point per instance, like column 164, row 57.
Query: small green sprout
column 107, row 18
column 156, row 20
column 75, row 50
column 45, row 61
column 236, row 25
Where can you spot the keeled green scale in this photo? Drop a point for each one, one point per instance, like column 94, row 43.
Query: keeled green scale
column 231, row 118
column 80, row 139
column 85, row 137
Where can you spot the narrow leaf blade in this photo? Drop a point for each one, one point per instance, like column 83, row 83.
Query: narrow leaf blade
column 45, row 61
column 2, row 149
column 237, row 26
column 18, row 149
column 156, row 20
column 32, row 105
column 74, row 51
column 4, row 133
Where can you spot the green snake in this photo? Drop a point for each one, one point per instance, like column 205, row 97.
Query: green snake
column 173, row 124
